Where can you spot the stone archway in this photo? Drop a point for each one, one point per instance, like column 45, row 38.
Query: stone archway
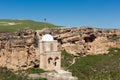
column 56, row 61
column 49, row 60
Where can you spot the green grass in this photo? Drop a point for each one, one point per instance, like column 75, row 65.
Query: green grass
column 66, row 59
column 6, row 74
column 114, row 37
column 23, row 24
column 35, row 70
column 97, row 67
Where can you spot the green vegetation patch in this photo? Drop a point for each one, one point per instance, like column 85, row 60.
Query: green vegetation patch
column 97, row 67
column 35, row 70
column 17, row 25
column 114, row 37
column 66, row 59
column 6, row 74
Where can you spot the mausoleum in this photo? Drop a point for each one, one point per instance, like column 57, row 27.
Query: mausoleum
column 50, row 56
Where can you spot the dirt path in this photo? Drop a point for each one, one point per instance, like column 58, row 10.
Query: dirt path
column 71, row 63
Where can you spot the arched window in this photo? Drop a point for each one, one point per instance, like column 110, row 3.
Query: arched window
column 55, row 63
column 56, row 58
column 49, row 60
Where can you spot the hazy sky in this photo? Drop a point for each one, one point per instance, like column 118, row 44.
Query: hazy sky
column 95, row 13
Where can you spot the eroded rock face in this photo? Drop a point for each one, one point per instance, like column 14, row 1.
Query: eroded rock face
column 17, row 50
column 85, row 41
column 20, row 49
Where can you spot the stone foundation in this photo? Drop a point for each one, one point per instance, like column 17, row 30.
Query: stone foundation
column 55, row 75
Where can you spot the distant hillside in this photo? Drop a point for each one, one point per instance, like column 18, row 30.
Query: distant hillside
column 94, row 67
column 16, row 25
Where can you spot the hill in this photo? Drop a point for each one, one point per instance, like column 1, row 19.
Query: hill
column 94, row 67
column 90, row 59
column 16, row 25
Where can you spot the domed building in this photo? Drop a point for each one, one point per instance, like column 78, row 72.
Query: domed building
column 47, row 37
column 50, row 57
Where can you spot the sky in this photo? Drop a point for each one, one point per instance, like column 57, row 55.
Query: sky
column 69, row 13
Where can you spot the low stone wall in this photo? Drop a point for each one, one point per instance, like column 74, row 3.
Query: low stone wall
column 55, row 75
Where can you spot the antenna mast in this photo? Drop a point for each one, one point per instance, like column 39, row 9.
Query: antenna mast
column 46, row 30
column 45, row 22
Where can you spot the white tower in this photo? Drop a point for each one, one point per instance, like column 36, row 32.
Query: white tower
column 50, row 57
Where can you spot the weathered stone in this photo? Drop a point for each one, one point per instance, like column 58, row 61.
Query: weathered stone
column 57, row 75
column 18, row 50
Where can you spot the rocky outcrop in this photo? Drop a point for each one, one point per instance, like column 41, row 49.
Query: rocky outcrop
column 20, row 49
column 85, row 41
column 17, row 50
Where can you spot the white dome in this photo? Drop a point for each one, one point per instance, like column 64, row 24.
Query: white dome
column 47, row 37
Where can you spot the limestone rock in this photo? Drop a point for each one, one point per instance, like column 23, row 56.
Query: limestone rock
column 18, row 50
